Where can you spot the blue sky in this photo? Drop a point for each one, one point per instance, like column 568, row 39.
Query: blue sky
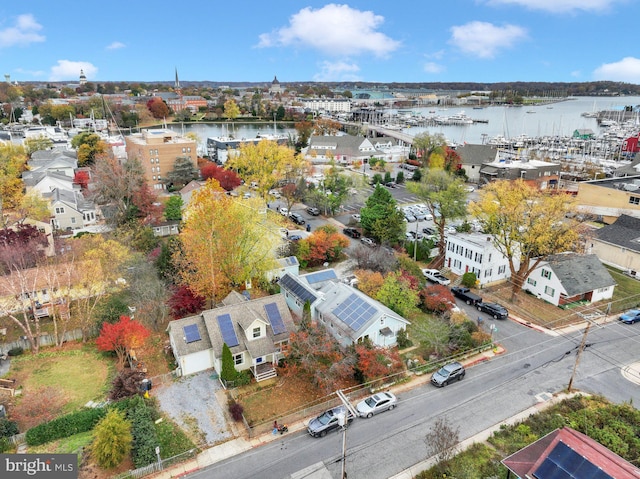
column 482, row 41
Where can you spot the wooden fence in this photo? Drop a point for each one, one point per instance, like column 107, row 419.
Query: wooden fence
column 46, row 339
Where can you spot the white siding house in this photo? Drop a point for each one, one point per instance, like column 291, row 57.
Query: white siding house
column 569, row 277
column 476, row 253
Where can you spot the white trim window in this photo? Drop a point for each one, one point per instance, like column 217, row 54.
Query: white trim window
column 238, row 359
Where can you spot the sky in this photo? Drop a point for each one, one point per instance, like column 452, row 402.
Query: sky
column 484, row 41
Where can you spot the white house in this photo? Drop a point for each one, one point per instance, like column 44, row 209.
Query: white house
column 476, row 253
column 288, row 265
column 257, row 332
column 69, row 209
column 343, row 149
column 570, row 277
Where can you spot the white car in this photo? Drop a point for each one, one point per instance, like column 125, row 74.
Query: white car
column 356, row 217
column 435, row 276
column 379, row 402
column 283, row 211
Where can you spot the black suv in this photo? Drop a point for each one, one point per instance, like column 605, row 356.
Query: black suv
column 313, row 211
column 354, row 233
column 296, row 218
column 447, row 374
column 494, row 309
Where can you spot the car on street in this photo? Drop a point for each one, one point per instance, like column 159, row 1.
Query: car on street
column 297, row 218
column 283, row 211
column 631, row 316
column 367, row 241
column 294, row 237
column 313, row 211
column 391, row 184
column 466, row 295
column 435, row 276
column 421, row 216
column 469, row 189
column 447, row 374
column 328, row 421
column 384, row 401
column 352, row 232
column 408, row 237
column 410, row 218
column 495, row 310
column 428, row 231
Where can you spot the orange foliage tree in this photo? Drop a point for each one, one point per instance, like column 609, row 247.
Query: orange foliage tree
column 377, row 363
column 121, row 337
column 324, row 245
column 369, row 282
column 437, row 298
column 314, row 353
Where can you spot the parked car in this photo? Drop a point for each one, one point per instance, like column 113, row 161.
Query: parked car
column 313, row 211
column 391, row 184
column 283, row 211
column 408, row 237
column 469, row 188
column 631, row 316
column 435, row 276
column 328, row 421
column 428, row 231
column 354, row 233
column 410, row 218
column 496, row 310
column 421, row 216
column 295, row 237
column 367, row 241
column 356, row 217
column 416, row 234
column 447, row 374
column 466, row 295
column 379, row 402
column 275, row 193
column 297, row 218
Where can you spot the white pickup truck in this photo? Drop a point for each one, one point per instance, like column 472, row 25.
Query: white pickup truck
column 435, row 276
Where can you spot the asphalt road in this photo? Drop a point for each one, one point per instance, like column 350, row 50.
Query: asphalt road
column 535, row 366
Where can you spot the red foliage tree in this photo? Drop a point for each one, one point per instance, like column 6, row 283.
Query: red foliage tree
column 410, row 279
column 82, row 178
column 158, row 108
column 21, row 247
column 377, row 363
column 437, row 298
column 452, row 160
column 324, row 245
column 121, row 337
column 146, row 202
column 184, row 302
column 228, row 179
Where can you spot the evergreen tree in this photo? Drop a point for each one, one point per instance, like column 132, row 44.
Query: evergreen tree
column 112, row 440
column 229, row 372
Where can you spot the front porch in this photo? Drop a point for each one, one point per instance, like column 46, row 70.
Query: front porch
column 263, row 371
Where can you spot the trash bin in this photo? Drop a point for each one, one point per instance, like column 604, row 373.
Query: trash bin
column 308, row 227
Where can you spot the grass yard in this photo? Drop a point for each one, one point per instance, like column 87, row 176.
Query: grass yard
column 627, row 292
column 79, row 373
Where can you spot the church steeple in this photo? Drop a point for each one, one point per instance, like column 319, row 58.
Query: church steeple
column 83, row 78
column 177, row 84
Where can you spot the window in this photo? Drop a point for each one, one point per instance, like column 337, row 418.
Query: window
column 546, row 273
column 238, row 359
column 502, row 269
column 256, row 332
column 59, row 210
column 549, row 291
column 634, row 200
column 189, row 150
column 184, row 150
column 152, row 161
column 530, row 281
column 73, row 220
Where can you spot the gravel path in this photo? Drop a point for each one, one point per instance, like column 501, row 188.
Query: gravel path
column 191, row 402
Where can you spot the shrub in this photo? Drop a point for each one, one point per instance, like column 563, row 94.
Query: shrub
column 112, row 439
column 8, row 428
column 5, row 445
column 126, row 383
column 65, row 426
column 469, row 279
column 236, row 409
column 15, row 351
column 145, row 439
column 402, row 338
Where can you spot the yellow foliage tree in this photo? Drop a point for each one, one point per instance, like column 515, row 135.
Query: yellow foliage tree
column 369, row 282
column 527, row 224
column 266, row 163
column 225, row 242
column 231, row 109
column 13, row 161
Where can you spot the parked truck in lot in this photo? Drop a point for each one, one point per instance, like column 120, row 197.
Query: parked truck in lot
column 466, row 295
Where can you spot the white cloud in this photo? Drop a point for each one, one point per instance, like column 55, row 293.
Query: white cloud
column 338, row 71
column 484, row 39
column 115, row 46
column 432, row 67
column 626, row 70
column 24, row 32
column 68, row 70
column 559, row 6
column 576, row 74
column 336, row 30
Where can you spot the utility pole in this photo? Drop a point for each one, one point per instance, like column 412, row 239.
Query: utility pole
column 583, row 343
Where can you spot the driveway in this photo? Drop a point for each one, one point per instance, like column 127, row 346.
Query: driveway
column 191, row 402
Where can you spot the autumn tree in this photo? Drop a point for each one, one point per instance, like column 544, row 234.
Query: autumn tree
column 225, row 242
column 266, row 163
column 231, row 109
column 184, row 302
column 38, row 143
column 183, row 172
column 380, row 218
column 158, row 108
column 227, row 178
column 13, row 162
column 112, row 439
column 369, row 282
column 396, row 294
column 437, row 298
column 376, row 363
column 127, row 383
column 147, row 292
column 89, row 147
column 82, row 178
column 442, row 441
column 444, row 197
column 376, row 259
column 325, row 244
column 304, row 130
column 526, row 224
column 326, row 127
column 122, row 337
column 426, row 144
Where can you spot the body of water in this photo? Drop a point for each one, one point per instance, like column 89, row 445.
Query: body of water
column 556, row 119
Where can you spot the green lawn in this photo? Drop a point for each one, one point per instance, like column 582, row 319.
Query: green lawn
column 626, row 295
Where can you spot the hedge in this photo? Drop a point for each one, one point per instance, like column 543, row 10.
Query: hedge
column 65, row 426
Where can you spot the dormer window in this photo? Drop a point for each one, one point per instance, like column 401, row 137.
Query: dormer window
column 256, row 332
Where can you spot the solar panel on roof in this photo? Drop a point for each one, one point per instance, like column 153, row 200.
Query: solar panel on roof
column 565, row 463
column 226, row 328
column 354, row 312
column 297, row 289
column 191, row 333
column 273, row 313
column 325, row 275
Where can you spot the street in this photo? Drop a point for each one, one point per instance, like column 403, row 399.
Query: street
column 534, row 366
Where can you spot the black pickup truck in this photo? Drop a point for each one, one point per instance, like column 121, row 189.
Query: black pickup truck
column 466, row 295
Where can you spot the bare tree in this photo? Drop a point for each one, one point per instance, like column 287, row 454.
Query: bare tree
column 441, row 442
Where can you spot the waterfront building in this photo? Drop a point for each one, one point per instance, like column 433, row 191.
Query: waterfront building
column 342, row 105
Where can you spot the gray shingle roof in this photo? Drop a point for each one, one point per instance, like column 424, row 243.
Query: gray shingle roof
column 176, row 330
column 624, row 232
column 580, row 274
column 477, row 154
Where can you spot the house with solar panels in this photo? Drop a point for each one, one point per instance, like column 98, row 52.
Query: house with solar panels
column 256, row 331
column 347, row 313
column 286, row 265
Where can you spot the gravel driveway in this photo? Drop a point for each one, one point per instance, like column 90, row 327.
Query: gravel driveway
column 191, row 402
